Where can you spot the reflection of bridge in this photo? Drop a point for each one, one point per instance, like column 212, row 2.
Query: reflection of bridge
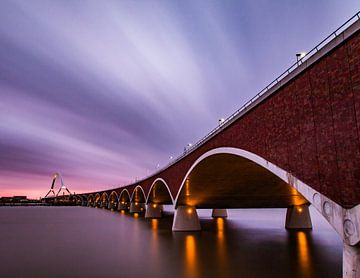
column 297, row 143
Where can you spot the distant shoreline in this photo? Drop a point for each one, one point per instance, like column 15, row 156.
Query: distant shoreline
column 23, row 204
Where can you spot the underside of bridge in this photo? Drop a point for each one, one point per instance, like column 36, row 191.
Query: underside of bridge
column 159, row 194
column 231, row 181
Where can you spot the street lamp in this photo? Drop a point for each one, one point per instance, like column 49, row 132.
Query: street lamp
column 221, row 121
column 299, row 56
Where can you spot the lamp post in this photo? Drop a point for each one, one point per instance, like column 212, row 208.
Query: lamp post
column 299, row 56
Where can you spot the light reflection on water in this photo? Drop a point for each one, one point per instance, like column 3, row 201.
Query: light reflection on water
column 99, row 243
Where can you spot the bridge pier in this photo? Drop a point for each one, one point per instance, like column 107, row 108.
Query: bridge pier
column 186, row 219
column 123, row 206
column 298, row 217
column 136, row 207
column 153, row 211
column 351, row 261
column 219, row 213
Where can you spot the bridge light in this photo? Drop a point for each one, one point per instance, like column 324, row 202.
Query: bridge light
column 299, row 209
column 154, row 205
column 300, row 55
column 221, row 121
column 189, row 211
column 136, row 203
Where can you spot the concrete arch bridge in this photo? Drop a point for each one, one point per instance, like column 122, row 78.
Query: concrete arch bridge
column 297, row 143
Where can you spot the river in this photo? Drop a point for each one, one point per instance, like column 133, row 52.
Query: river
column 90, row 242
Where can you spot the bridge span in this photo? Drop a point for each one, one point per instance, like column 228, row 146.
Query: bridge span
column 297, row 143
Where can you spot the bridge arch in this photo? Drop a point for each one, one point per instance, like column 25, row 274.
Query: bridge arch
column 113, row 200
column 160, row 193
column 97, row 200
column 124, row 200
column 90, row 200
column 104, row 200
column 138, row 195
column 241, row 167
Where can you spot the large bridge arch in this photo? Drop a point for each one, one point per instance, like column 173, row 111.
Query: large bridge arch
column 159, row 193
column 332, row 212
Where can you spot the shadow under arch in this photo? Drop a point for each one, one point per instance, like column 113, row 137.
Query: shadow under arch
column 160, row 193
column 124, row 197
column 234, row 178
column 113, row 200
column 138, row 195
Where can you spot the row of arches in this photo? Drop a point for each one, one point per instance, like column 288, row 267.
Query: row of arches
column 158, row 194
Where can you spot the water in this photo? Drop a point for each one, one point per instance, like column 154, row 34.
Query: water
column 89, row 242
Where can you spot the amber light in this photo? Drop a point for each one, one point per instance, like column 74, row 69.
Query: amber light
column 299, row 209
column 154, row 205
column 189, row 211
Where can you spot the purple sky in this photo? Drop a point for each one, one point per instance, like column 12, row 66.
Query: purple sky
column 103, row 91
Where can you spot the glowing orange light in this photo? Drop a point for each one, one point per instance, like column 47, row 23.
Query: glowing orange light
column 122, row 202
column 154, row 224
column 141, row 209
column 189, row 211
column 136, row 215
column 299, row 209
column 136, row 203
column 122, row 211
column 154, row 206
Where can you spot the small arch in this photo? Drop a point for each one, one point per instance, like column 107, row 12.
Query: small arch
column 138, row 195
column 104, row 200
column 160, row 193
column 90, row 200
column 124, row 198
column 97, row 200
column 113, row 200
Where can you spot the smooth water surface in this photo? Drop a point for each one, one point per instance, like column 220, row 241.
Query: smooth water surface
column 89, row 242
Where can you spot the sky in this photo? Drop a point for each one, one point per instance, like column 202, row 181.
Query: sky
column 104, row 92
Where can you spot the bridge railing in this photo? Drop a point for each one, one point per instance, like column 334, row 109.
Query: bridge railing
column 261, row 94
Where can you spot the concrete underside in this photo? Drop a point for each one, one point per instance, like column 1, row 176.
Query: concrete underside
column 230, row 181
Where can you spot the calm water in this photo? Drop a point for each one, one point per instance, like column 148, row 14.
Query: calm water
column 88, row 242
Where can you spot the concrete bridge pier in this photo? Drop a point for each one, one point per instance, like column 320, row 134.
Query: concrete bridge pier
column 351, row 261
column 298, row 217
column 83, row 203
column 112, row 205
column 186, row 219
column 136, row 207
column 219, row 213
column 123, row 206
column 153, row 211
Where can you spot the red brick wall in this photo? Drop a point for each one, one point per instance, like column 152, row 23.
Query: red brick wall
column 309, row 127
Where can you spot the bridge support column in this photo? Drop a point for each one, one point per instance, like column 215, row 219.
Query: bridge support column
column 219, row 213
column 298, row 217
column 136, row 207
column 351, row 261
column 153, row 211
column 186, row 219
column 123, row 206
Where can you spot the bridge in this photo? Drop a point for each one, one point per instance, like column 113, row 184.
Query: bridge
column 295, row 144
